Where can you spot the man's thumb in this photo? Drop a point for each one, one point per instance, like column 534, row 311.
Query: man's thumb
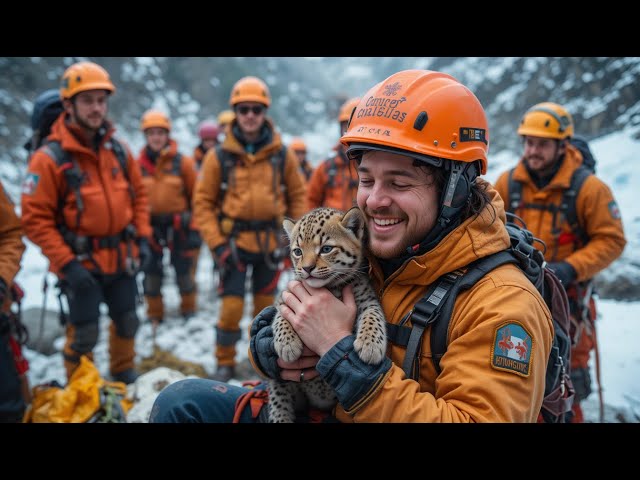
column 347, row 296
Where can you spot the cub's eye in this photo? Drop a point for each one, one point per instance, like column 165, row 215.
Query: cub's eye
column 297, row 252
column 326, row 249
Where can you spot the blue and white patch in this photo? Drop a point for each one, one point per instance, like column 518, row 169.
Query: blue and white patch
column 512, row 349
column 614, row 210
column 30, row 183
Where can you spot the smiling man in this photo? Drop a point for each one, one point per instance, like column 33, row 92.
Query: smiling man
column 420, row 141
column 85, row 206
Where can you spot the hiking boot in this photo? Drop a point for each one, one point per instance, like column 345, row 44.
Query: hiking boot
column 127, row 376
column 224, row 373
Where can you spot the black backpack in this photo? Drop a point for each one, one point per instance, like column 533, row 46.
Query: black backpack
column 436, row 307
column 46, row 109
column 567, row 207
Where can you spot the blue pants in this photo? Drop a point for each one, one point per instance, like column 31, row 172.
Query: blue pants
column 199, row 401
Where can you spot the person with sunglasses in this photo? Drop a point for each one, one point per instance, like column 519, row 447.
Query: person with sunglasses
column 247, row 185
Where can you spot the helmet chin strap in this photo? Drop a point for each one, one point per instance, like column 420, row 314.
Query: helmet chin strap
column 454, row 199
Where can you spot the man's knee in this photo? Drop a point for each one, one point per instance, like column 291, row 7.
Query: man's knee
column 152, row 284
column 186, row 284
column 127, row 324
column 85, row 337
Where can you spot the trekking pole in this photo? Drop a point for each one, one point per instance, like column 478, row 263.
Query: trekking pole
column 45, row 289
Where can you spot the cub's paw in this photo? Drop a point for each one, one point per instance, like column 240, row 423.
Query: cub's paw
column 290, row 348
column 369, row 350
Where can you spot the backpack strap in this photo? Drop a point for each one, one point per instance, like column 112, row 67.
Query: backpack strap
column 435, row 309
column 121, row 155
column 515, row 194
column 477, row 270
column 569, row 199
column 72, row 174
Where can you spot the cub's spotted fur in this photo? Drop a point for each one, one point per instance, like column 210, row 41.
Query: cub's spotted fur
column 327, row 250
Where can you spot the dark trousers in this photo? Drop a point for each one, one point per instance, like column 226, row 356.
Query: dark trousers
column 199, row 401
column 12, row 405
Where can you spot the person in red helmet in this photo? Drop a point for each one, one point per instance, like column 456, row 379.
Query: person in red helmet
column 209, row 133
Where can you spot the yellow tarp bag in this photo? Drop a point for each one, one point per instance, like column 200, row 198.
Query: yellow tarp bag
column 87, row 398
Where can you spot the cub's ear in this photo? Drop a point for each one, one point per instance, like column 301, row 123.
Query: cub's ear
column 354, row 220
column 288, row 225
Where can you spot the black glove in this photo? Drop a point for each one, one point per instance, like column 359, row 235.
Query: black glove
column 261, row 343
column 564, row 271
column 78, row 277
column 145, row 254
column 193, row 239
column 3, row 291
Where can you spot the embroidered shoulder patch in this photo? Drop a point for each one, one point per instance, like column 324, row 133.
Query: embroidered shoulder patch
column 511, row 349
column 30, row 183
column 614, row 210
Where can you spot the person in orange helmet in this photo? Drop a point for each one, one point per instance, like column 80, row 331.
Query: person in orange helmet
column 535, row 191
column 299, row 146
column 334, row 182
column 208, row 132
column 420, row 140
column 245, row 188
column 85, row 206
column 169, row 177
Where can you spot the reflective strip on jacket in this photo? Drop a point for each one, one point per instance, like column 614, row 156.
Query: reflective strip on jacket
column 593, row 210
column 108, row 207
column 250, row 194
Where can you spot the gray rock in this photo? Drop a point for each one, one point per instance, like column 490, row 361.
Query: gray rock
column 50, row 326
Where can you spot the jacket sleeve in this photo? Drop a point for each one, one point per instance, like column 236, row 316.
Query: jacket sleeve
column 39, row 201
column 502, row 187
column 468, row 389
column 205, row 196
column 600, row 216
column 11, row 244
column 141, row 210
column 296, row 189
column 315, row 187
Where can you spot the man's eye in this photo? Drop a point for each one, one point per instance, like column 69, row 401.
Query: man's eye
column 326, row 249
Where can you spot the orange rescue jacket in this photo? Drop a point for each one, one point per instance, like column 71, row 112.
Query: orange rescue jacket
column 11, row 244
column 250, row 194
column 596, row 210
column 108, row 206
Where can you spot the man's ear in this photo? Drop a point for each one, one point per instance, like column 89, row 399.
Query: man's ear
column 288, row 225
column 354, row 220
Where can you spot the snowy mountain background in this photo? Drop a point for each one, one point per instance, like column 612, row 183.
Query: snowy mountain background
column 602, row 93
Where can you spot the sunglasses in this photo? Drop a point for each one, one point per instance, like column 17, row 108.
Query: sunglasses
column 256, row 109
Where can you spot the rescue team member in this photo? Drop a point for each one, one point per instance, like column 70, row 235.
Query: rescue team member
column 545, row 171
column 334, row 183
column 240, row 218
column 208, row 133
column 169, row 178
column 84, row 205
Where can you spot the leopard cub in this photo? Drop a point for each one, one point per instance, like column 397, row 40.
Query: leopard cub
column 328, row 249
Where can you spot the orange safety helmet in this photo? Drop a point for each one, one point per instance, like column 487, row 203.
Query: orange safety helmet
column 155, row 118
column 297, row 144
column 424, row 114
column 547, row 120
column 83, row 76
column 225, row 117
column 346, row 109
column 250, row 89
